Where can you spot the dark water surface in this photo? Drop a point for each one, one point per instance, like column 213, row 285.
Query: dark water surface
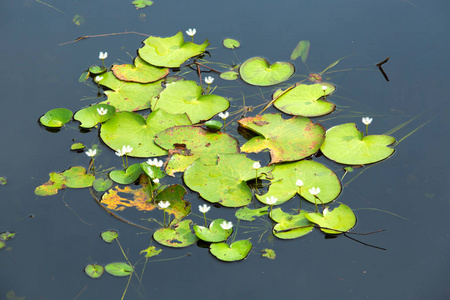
column 47, row 257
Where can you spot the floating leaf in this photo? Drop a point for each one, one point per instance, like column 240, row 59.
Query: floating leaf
column 75, row 177
column 84, row 76
column 97, row 70
column 179, row 208
column 151, row 251
column 78, row 20
column 109, row 236
column 6, row 235
column 3, row 180
column 129, row 96
column 302, row 50
column 223, row 182
column 229, row 75
column 214, row 125
column 56, row 117
column 77, row 146
column 215, row 233
column 177, row 237
column 269, row 253
column 94, row 271
column 101, row 185
column 345, row 144
column 187, row 143
column 170, row 52
column 305, row 100
column 141, row 72
column 290, row 226
column 186, row 96
column 258, row 71
column 152, row 171
column 287, row 140
column 248, row 214
column 116, row 131
column 119, row 269
column 341, row 218
column 126, row 177
column 231, row 43
column 234, row 252
column 141, row 3
column 312, row 174
column 89, row 116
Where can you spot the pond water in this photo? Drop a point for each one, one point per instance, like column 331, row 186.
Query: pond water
column 406, row 194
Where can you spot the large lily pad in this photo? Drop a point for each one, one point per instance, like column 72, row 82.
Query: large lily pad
column 56, row 117
column 214, row 234
column 225, row 181
column 248, row 214
column 185, row 96
column 75, row 177
column 234, row 252
column 258, row 71
column 177, row 237
column 341, row 218
column 187, row 143
column 170, row 52
column 290, row 226
column 345, row 144
column 128, row 128
column 313, row 174
column 287, row 140
column 305, row 100
column 141, row 72
column 129, row 96
column 89, row 116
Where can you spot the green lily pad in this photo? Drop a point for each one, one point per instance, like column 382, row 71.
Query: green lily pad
column 179, row 208
column 305, row 100
column 345, row 144
column 214, row 234
column 287, row 140
column 129, row 96
column 248, row 214
column 141, row 72
column 302, row 50
column 231, row 43
column 234, row 252
column 269, row 253
column 75, row 177
column 77, row 146
column 170, row 52
column 3, row 180
column 229, row 75
column 152, row 171
column 6, row 235
column 56, row 117
column 258, row 71
column 101, row 185
column 151, row 251
column 97, row 70
column 313, row 174
column 225, row 181
column 187, row 143
column 119, row 269
column 177, row 237
column 214, row 125
column 90, row 116
column 341, row 218
column 290, row 226
column 141, row 3
column 116, row 131
column 94, row 270
column 109, row 235
column 125, row 177
column 185, row 96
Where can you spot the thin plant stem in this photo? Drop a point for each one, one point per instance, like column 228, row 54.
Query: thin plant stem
column 126, row 158
column 164, row 212
column 367, row 129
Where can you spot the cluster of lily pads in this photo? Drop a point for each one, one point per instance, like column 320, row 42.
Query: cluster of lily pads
column 152, row 112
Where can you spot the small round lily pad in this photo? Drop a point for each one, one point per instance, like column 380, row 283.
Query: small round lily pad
column 94, row 270
column 119, row 269
column 258, row 71
column 56, row 117
column 231, row 43
column 234, row 252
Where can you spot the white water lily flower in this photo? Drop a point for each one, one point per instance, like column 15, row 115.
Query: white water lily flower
column 102, row 111
column 155, row 162
column 299, row 183
column 224, row 115
column 204, row 208
column 367, row 120
column 119, row 153
column 191, row 32
column 126, row 149
column 209, row 79
column 91, row 152
column 226, row 225
column 156, row 180
column 98, row 78
column 324, row 88
column 271, row 200
column 103, row 55
column 256, row 165
column 164, row 204
column 314, row 191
